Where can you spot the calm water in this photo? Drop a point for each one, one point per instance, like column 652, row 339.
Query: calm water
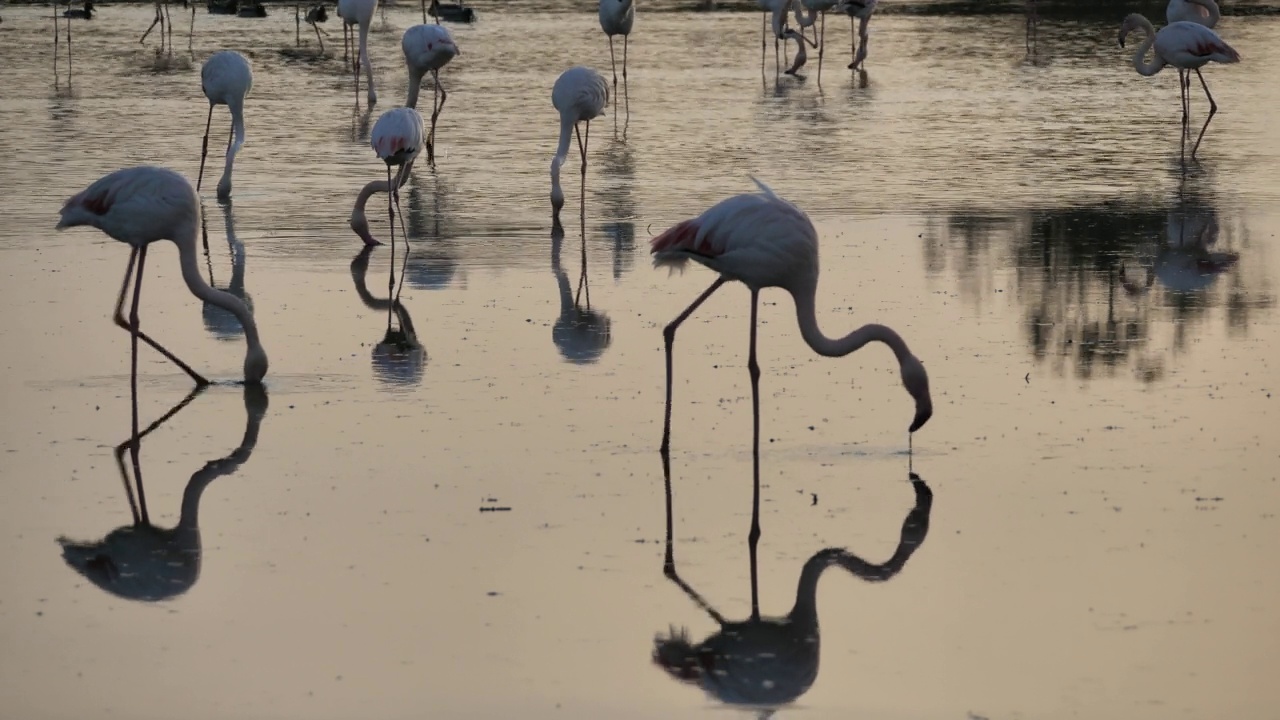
column 476, row 528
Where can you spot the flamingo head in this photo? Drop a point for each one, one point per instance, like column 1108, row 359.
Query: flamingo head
column 255, row 365
column 1132, row 22
column 916, row 380
column 361, row 227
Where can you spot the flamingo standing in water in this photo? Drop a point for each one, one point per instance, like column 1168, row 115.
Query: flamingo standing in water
column 616, row 18
column 1184, row 45
column 860, row 10
column 138, row 206
column 764, row 241
column 775, row 15
column 226, row 79
column 86, row 13
column 360, row 13
column 1200, row 12
column 580, row 94
column 427, row 49
column 814, row 8
column 397, row 138
column 166, row 24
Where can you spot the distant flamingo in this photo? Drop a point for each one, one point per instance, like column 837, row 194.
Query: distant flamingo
column 138, row 206
column 1184, row 45
column 226, row 79
column 360, row 13
column 427, row 49
column 775, row 16
column 399, row 360
column 764, row 241
column 1201, row 12
column 814, row 8
column 580, row 94
column 397, row 138
column 616, row 18
column 163, row 20
column 454, row 12
column 317, row 14
column 860, row 10
column 69, row 14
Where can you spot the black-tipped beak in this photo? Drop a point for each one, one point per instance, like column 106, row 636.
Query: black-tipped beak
column 922, row 416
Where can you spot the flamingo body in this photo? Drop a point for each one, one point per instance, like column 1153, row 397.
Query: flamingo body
column 141, row 205
column 617, row 18
column 226, row 79
column 580, row 94
column 1187, row 11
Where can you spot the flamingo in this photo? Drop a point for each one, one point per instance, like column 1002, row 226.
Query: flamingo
column 226, row 79
column 814, row 8
column 580, row 94
column 764, row 241
column 163, row 20
column 138, row 206
column 427, row 49
column 860, row 10
column 86, row 13
column 397, row 139
column 772, row 661
column 1201, row 12
column 1184, row 45
column 140, row 561
column 775, row 15
column 454, row 12
column 616, row 18
column 317, row 14
column 360, row 12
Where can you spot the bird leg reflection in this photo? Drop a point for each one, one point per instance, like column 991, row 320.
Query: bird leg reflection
column 438, row 92
column 204, row 147
column 669, row 562
column 754, row 537
column 138, row 506
column 1213, row 108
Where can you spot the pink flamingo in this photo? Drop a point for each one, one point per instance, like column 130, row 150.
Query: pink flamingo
column 138, row 206
column 359, row 13
column 1201, row 12
column 764, row 241
column 397, row 138
column 1184, row 45
column 427, row 49
column 226, row 79
column 580, row 94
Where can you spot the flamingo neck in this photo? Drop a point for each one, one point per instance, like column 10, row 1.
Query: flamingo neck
column 830, row 347
column 415, row 83
column 562, row 151
column 805, row 20
column 1215, row 13
column 779, row 18
column 1139, row 56
column 237, row 126
column 186, row 242
column 189, row 519
column 562, row 278
column 805, row 612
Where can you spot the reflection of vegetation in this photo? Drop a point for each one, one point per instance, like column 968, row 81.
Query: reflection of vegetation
column 1101, row 286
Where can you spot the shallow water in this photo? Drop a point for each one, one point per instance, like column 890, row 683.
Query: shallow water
column 476, row 528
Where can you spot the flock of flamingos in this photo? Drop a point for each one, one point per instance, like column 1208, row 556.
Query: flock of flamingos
column 758, row 239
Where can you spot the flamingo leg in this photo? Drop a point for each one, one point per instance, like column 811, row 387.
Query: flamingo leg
column 404, row 264
column 614, row 64
column 435, row 114
column 1213, row 108
column 822, row 44
column 118, row 317
column 133, row 337
column 625, row 41
column 424, row 12
column 764, row 21
column 582, row 146
column 168, row 22
column 669, row 336
column 669, row 562
column 753, row 367
column 391, row 217
column 318, row 38
column 191, row 31
column 154, row 22
column 204, row 147
column 68, row 52
column 55, row 44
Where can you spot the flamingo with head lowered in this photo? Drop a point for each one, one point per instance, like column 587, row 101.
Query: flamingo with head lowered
column 763, row 241
column 139, row 206
column 580, row 94
column 226, row 79
column 427, row 49
column 1201, row 12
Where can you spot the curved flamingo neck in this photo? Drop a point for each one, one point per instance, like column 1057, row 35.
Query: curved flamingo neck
column 185, row 239
column 189, row 518
column 562, row 151
column 1139, row 56
column 415, row 84
column 831, row 347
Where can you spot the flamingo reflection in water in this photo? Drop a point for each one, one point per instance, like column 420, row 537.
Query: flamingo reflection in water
column 766, row 662
column 399, row 360
column 140, row 561
column 1186, row 262
column 580, row 333
column 218, row 321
